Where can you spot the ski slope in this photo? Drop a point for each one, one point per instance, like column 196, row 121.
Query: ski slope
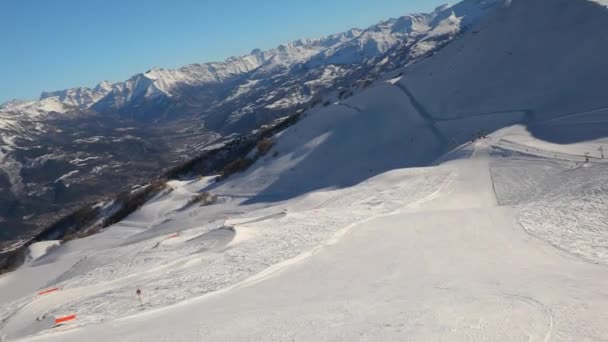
column 450, row 265
column 489, row 233
column 377, row 217
column 492, row 241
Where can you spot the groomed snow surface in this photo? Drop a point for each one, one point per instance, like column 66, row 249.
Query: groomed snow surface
column 463, row 250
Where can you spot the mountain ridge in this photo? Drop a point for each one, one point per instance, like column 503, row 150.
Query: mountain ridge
column 348, row 47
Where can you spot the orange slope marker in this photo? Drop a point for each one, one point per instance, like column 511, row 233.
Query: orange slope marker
column 47, row 291
column 59, row 320
column 173, row 236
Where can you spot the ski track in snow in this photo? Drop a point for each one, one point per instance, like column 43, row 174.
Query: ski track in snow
column 570, row 212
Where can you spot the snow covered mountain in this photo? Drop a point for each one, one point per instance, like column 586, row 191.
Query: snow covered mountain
column 61, row 149
column 59, row 101
column 351, row 47
column 80, row 97
column 460, row 197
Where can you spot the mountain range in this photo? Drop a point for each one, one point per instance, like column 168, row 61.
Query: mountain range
column 80, row 145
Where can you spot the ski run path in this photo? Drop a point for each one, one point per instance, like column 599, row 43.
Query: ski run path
column 452, row 265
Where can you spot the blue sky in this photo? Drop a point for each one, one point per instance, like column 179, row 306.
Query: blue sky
column 52, row 45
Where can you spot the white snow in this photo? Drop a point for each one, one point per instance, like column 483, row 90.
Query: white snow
column 67, row 175
column 423, row 253
column 12, row 169
column 34, row 109
column 82, row 161
column 601, row 2
column 339, row 234
column 39, row 249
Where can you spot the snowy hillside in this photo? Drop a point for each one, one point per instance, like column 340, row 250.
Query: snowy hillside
column 339, row 260
column 496, row 66
column 461, row 197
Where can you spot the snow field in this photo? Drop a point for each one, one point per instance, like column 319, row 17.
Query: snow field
column 99, row 283
column 446, row 262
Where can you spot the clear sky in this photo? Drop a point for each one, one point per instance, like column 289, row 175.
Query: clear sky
column 58, row 44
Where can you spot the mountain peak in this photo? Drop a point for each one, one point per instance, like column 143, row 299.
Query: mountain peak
column 103, row 86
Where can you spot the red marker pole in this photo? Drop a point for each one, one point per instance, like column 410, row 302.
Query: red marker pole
column 55, row 289
column 61, row 320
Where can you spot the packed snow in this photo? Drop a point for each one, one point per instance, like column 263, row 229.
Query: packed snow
column 422, row 253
